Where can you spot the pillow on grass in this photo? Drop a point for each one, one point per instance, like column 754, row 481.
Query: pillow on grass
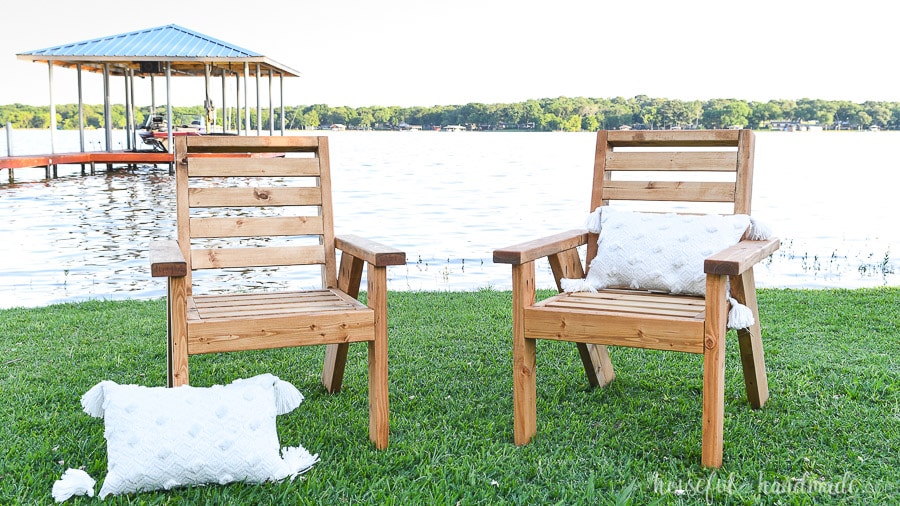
column 160, row 438
column 662, row 252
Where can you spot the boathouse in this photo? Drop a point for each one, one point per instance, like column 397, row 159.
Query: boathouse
column 165, row 52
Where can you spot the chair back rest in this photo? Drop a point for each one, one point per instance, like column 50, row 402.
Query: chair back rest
column 682, row 171
column 254, row 203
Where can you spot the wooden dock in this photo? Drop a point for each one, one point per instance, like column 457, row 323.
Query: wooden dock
column 92, row 158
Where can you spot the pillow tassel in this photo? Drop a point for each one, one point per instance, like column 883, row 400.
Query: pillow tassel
column 298, row 460
column 592, row 223
column 576, row 285
column 73, row 482
column 740, row 316
column 758, row 231
column 93, row 400
column 287, row 397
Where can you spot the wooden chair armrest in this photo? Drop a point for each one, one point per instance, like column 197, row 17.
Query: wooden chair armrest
column 166, row 259
column 532, row 250
column 374, row 253
column 740, row 257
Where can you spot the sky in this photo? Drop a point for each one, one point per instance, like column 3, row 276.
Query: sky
column 436, row 52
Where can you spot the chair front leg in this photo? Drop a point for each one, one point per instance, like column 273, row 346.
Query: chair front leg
column 524, row 356
column 379, row 419
column 176, row 330
column 714, row 370
column 756, row 383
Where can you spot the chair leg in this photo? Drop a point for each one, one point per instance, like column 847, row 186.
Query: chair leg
column 595, row 358
column 333, row 369
column 379, row 417
column 349, row 277
column 176, row 328
column 524, row 357
column 743, row 288
column 597, row 365
column 714, row 372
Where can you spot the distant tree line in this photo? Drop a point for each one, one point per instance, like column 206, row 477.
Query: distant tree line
column 548, row 114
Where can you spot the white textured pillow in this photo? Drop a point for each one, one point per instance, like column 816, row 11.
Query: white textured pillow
column 168, row 437
column 663, row 252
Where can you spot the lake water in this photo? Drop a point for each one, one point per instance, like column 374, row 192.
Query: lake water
column 448, row 200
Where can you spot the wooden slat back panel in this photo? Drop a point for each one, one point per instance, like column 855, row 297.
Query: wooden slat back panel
column 670, row 170
column 236, row 193
column 678, row 159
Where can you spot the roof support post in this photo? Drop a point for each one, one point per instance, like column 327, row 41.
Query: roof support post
column 207, row 102
column 258, row 110
column 132, row 138
column 52, row 108
column 224, row 109
column 271, row 111
column 129, row 111
column 169, row 141
column 281, row 99
column 237, row 112
column 80, row 108
column 107, row 111
column 246, row 98
column 152, row 94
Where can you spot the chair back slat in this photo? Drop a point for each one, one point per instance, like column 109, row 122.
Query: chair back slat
column 253, row 227
column 673, row 171
column 257, row 196
column 237, row 167
column 671, row 191
column 270, row 256
column 255, row 202
column 704, row 161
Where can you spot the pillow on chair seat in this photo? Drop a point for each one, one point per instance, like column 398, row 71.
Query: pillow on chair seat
column 659, row 252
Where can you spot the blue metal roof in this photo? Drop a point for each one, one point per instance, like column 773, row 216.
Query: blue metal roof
column 183, row 48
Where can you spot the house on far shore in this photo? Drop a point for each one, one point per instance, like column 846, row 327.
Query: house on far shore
column 796, row 126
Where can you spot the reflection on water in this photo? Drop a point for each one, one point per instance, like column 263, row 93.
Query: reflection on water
column 448, row 201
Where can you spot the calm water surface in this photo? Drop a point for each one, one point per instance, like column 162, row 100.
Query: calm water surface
column 448, row 200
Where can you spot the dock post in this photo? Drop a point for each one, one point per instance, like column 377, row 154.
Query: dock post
column 9, row 146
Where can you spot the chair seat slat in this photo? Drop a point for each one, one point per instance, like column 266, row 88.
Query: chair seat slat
column 640, row 303
column 279, row 303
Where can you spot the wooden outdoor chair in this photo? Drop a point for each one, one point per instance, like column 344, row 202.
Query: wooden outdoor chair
column 257, row 202
column 647, row 170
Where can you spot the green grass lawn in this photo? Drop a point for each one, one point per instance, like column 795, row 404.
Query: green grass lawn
column 830, row 433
